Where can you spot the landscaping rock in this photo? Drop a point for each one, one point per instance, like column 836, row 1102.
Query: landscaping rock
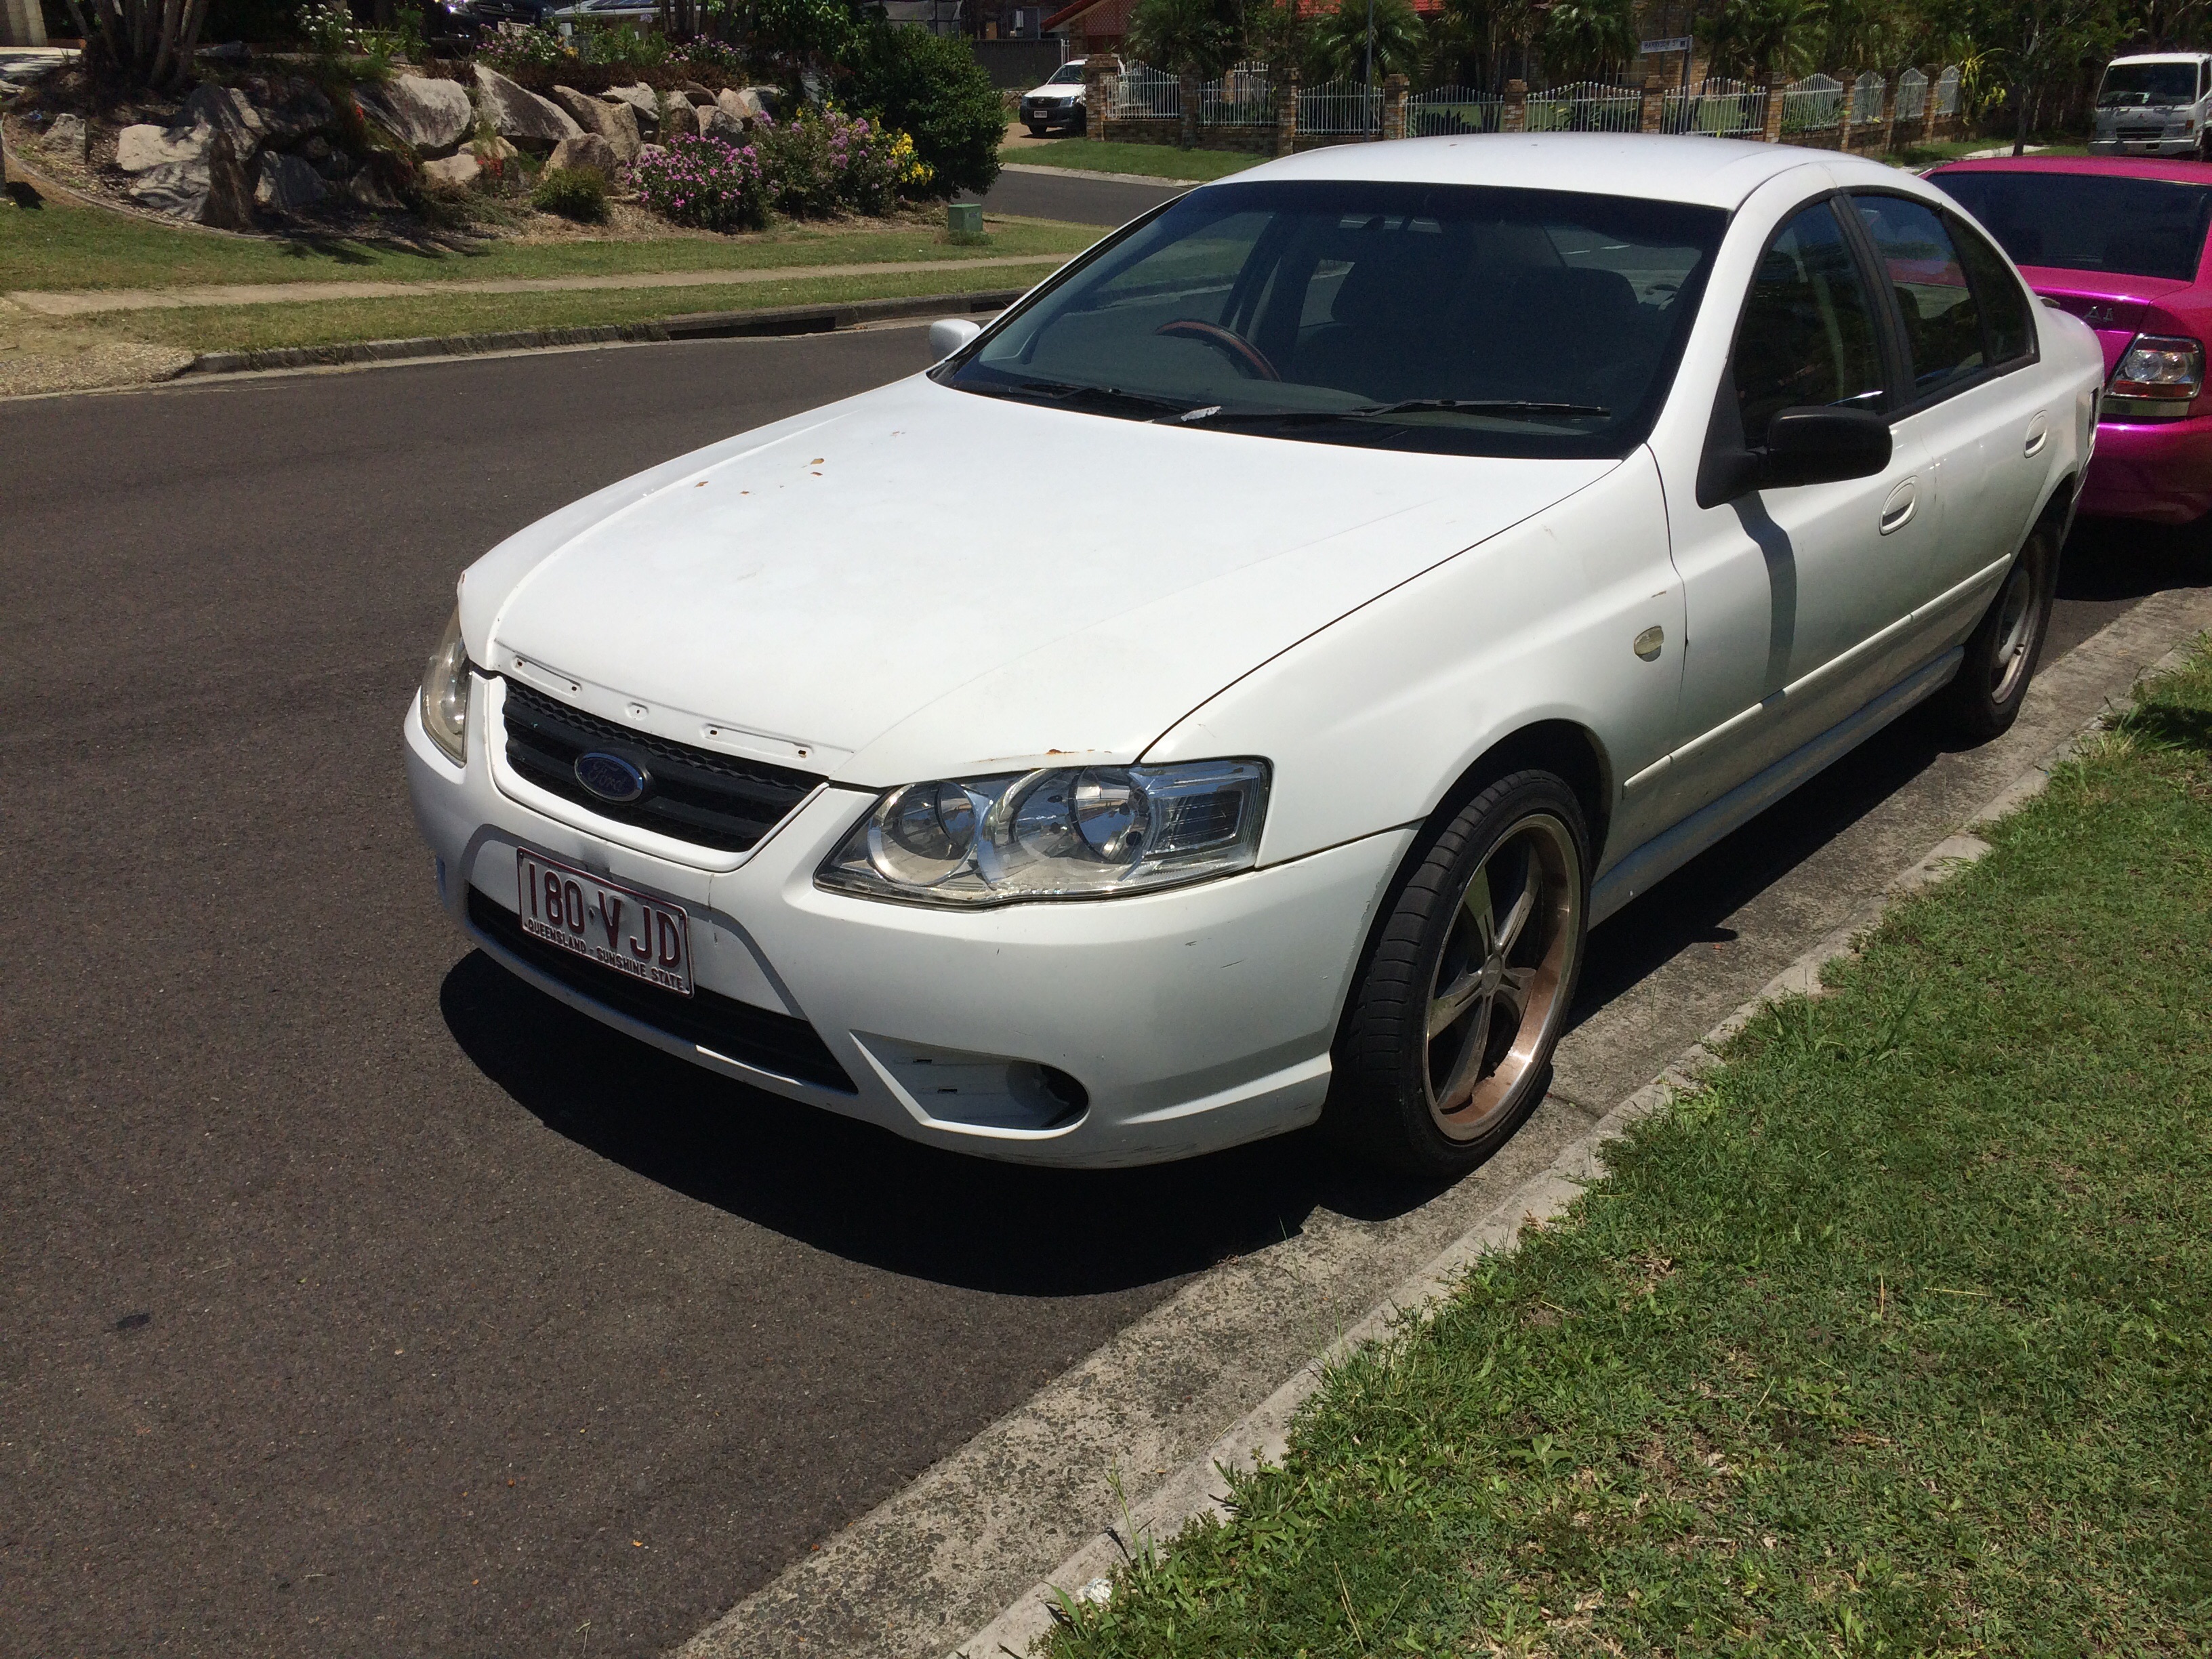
column 365, row 190
column 532, row 122
column 67, row 133
column 748, row 103
column 316, row 149
column 229, row 112
column 287, row 107
column 211, row 188
column 431, row 116
column 715, row 122
column 614, row 122
column 453, row 171
column 288, row 184
column 145, row 146
column 642, row 101
column 589, row 150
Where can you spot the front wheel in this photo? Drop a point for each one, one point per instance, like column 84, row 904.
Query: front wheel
column 1446, row 1045
column 1984, row 700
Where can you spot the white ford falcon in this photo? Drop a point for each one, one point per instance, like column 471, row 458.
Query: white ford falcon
column 1495, row 523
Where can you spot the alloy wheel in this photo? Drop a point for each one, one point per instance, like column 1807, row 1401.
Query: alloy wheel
column 2015, row 632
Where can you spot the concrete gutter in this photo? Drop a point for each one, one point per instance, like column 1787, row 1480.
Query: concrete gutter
column 698, row 326
column 964, row 1556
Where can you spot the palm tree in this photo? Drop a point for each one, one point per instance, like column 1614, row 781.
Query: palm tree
column 1587, row 39
column 1339, row 48
column 1755, row 39
column 1196, row 38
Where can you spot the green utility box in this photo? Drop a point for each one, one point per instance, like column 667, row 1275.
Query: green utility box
column 965, row 220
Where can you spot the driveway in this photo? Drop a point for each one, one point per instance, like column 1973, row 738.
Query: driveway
column 363, row 1301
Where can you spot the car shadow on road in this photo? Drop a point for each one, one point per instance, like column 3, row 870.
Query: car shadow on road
column 865, row 1194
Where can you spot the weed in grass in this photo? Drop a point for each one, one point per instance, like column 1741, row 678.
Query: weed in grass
column 1896, row 1338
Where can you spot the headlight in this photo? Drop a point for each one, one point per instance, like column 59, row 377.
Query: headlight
column 446, row 692
column 1062, row 833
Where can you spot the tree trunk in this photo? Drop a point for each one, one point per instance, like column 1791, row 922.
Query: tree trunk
column 2020, row 119
column 1186, row 95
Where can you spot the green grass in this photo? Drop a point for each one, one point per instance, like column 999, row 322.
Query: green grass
column 1894, row 1339
column 327, row 322
column 1950, row 149
column 1159, row 160
column 62, row 245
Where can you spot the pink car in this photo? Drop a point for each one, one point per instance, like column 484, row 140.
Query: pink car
column 2120, row 242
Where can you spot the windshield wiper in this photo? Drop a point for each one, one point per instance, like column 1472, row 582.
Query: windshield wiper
column 1509, row 406
column 1066, row 392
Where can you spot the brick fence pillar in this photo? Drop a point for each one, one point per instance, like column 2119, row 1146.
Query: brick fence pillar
column 1654, row 104
column 1773, row 133
column 1100, row 71
column 1287, row 113
column 1397, row 92
column 1513, row 118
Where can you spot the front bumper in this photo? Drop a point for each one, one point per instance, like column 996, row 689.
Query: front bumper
column 2160, row 470
column 2178, row 143
column 1053, row 115
column 1193, row 1019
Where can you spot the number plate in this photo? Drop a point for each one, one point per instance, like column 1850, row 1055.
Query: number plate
column 616, row 927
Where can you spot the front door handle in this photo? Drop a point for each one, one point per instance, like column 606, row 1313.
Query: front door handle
column 2039, row 434
column 1897, row 512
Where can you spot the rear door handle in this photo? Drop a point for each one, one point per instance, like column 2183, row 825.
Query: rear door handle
column 2039, row 434
column 1897, row 512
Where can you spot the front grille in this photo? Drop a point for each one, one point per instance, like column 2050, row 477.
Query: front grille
column 737, row 1031
column 695, row 795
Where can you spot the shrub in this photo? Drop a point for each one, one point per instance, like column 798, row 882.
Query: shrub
column 712, row 62
column 620, row 46
column 822, row 162
column 931, row 86
column 710, row 183
column 578, row 193
column 535, row 47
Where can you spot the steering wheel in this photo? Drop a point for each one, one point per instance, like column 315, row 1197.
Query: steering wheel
column 1248, row 358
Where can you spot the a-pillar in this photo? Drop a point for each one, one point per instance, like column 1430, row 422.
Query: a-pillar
column 1513, row 118
column 1397, row 92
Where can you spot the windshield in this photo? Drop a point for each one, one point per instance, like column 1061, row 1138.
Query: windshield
column 2088, row 222
column 1066, row 75
column 2136, row 84
column 1454, row 318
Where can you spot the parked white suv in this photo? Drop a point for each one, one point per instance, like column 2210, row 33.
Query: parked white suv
column 2157, row 104
column 1291, row 774
column 1058, row 102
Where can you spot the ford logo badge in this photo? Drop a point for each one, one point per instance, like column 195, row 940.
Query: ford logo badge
column 610, row 777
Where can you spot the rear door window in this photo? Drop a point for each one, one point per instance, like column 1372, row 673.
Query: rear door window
column 2008, row 325
column 1943, row 336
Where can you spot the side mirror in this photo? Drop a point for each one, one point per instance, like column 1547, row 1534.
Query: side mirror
column 1809, row 445
column 948, row 334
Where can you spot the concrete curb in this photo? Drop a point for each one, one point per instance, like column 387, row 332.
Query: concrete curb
column 782, row 320
column 1197, row 1488
column 1112, row 178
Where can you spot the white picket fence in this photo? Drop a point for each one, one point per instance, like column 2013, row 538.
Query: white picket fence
column 1446, row 111
column 1717, row 107
column 1586, row 106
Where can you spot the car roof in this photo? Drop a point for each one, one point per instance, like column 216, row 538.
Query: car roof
column 1710, row 172
column 2161, row 57
column 2172, row 169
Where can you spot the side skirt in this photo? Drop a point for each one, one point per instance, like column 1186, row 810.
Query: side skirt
column 1669, row 850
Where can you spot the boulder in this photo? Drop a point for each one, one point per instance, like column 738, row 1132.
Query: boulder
column 619, row 126
column 588, row 151
column 715, row 122
column 532, row 122
column 682, row 119
column 211, row 188
column 316, row 149
column 137, row 149
column 746, row 102
column 366, row 190
column 642, row 101
column 229, row 112
column 288, row 107
column 584, row 111
column 287, row 185
column 430, row 116
column 67, row 133
column 455, row 172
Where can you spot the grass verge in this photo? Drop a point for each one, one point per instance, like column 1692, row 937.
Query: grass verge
column 1155, row 160
column 330, row 322
column 1950, row 149
column 1896, row 1339
column 63, row 245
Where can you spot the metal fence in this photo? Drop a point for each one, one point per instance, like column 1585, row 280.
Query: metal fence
column 1866, row 98
column 1335, row 107
column 1444, row 111
column 1718, row 108
column 1140, row 91
column 1586, row 106
column 1947, row 91
column 1244, row 97
column 1912, row 95
column 1813, row 105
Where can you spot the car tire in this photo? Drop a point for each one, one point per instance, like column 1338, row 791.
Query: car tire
column 1983, row 699
column 1446, row 1041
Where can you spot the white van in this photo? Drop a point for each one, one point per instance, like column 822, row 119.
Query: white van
column 2158, row 104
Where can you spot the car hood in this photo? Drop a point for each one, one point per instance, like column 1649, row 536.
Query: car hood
column 920, row 581
column 1065, row 89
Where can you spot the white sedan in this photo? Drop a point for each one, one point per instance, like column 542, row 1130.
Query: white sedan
column 1481, row 527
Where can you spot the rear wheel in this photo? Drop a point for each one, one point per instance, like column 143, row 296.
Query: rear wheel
column 1446, row 1046
column 1984, row 700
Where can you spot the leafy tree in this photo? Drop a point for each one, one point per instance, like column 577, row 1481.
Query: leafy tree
column 930, row 87
column 1754, row 38
column 1588, row 39
column 1196, row 38
column 1340, row 47
column 1482, row 42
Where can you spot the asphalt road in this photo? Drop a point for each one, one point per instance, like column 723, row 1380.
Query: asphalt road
column 362, row 1302
column 1078, row 201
